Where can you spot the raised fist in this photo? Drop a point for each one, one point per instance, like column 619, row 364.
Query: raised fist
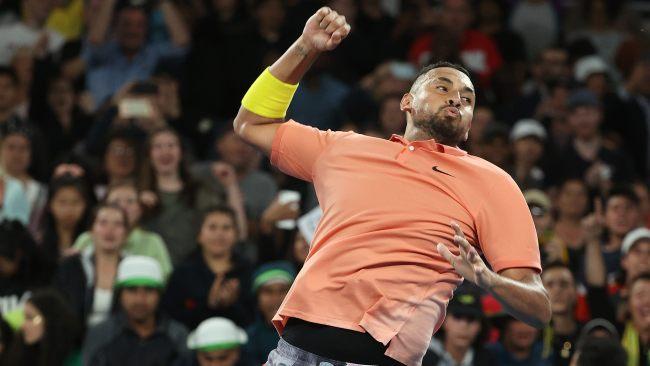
column 325, row 29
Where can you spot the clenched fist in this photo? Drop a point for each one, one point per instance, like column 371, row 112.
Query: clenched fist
column 325, row 29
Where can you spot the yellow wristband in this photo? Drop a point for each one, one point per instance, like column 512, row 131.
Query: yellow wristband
column 268, row 96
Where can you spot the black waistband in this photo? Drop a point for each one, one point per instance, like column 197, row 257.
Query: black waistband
column 336, row 343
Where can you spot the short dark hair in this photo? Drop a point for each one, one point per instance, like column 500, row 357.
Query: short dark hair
column 10, row 73
column 218, row 209
column 645, row 276
column 601, row 351
column 624, row 191
column 438, row 65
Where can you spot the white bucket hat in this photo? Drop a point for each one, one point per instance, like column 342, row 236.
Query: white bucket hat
column 216, row 334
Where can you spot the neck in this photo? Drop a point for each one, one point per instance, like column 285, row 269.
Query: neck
column 218, row 263
column 65, row 235
column 143, row 328
column 23, row 177
column 107, row 256
column 169, row 182
column 522, row 168
column 564, row 324
column 413, row 133
column 31, row 21
column 456, row 352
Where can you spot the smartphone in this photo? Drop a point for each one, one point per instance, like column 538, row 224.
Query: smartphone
column 135, row 108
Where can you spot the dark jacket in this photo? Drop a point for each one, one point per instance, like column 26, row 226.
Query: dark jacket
column 262, row 339
column 186, row 298
column 75, row 278
column 114, row 343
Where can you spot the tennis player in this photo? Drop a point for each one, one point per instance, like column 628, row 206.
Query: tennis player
column 404, row 219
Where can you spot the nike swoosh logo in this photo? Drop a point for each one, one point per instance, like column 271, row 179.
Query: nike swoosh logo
column 435, row 169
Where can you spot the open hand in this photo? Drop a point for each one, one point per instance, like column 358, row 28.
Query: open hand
column 469, row 263
column 325, row 29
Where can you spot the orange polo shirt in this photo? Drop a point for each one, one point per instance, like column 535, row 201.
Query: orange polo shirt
column 373, row 265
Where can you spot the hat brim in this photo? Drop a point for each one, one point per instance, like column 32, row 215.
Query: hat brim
column 140, row 282
column 218, row 347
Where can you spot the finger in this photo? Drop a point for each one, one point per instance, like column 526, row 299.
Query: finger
column 463, row 244
column 335, row 24
column 445, row 253
column 598, row 206
column 457, row 229
column 322, row 13
column 329, row 18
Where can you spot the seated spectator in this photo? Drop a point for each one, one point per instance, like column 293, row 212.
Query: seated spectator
column 460, row 339
column 14, row 204
column 456, row 41
column 15, row 160
column 139, row 241
column 518, row 344
column 66, row 215
column 586, row 157
column 30, row 32
column 621, row 215
column 60, row 116
column 8, row 93
column 87, row 278
column 257, row 187
column 391, row 119
column 571, row 206
column 215, row 279
column 50, row 334
column 22, row 266
column 271, row 282
column 495, row 145
column 643, row 194
column 113, row 63
column 636, row 336
column 540, row 209
column 216, row 341
column 600, row 351
column 299, row 251
column 561, row 338
column 178, row 196
column 528, row 137
column 120, row 161
column 138, row 333
column 537, row 23
column 635, row 252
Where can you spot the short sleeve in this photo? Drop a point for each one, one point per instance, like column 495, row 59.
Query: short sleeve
column 505, row 228
column 297, row 147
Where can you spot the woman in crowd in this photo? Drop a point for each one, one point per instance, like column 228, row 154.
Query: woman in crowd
column 572, row 204
column 120, row 161
column 49, row 336
column 215, row 280
column 22, row 265
column 66, row 215
column 176, row 196
column 87, row 278
column 15, row 160
column 139, row 241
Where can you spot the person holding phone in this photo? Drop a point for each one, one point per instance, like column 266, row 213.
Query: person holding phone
column 403, row 220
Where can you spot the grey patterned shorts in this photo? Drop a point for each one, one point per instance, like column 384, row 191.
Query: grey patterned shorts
column 288, row 355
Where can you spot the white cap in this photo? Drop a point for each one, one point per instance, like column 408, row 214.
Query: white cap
column 634, row 236
column 527, row 127
column 216, row 334
column 589, row 65
column 139, row 270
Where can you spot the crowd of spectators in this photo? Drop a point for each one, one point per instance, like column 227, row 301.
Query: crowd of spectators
column 137, row 229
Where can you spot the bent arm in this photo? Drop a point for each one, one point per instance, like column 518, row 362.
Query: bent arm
column 522, row 294
column 289, row 68
column 176, row 26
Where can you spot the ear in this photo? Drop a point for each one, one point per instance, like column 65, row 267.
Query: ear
column 406, row 104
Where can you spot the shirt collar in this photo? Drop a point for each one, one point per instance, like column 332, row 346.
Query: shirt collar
column 429, row 145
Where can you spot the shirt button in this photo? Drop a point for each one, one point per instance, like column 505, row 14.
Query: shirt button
column 411, row 148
